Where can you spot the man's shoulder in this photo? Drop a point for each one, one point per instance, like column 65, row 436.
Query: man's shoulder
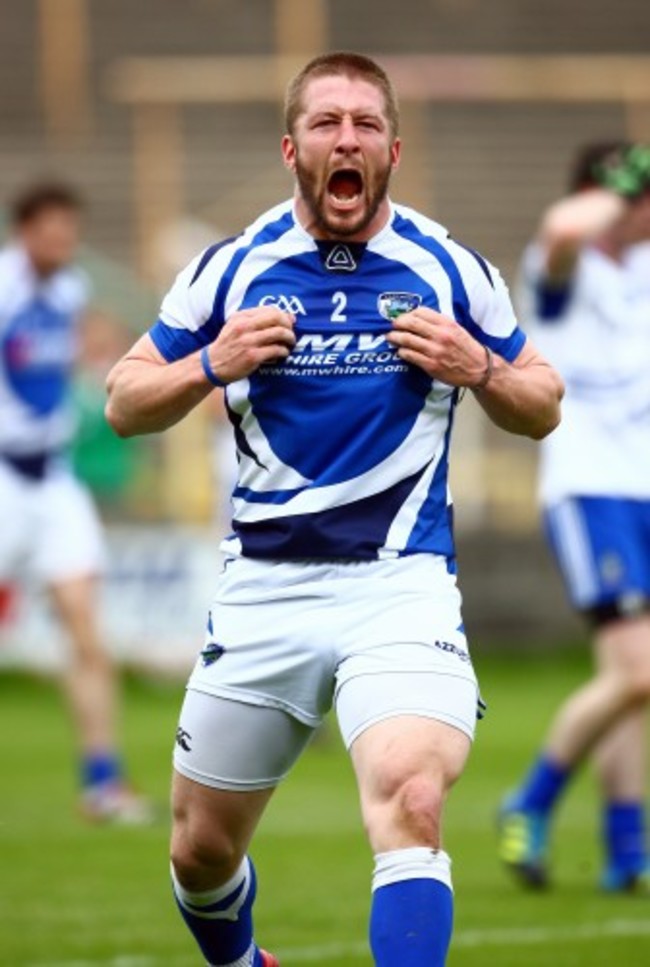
column 12, row 261
column 410, row 222
column 271, row 226
column 437, row 239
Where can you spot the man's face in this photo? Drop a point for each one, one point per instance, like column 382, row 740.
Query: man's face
column 50, row 238
column 342, row 154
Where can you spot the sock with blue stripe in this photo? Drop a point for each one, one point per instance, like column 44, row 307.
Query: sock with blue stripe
column 412, row 908
column 624, row 835
column 100, row 769
column 542, row 787
column 221, row 920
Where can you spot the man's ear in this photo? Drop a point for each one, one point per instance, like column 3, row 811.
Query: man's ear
column 395, row 153
column 289, row 152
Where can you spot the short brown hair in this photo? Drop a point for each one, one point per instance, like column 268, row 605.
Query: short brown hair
column 38, row 197
column 344, row 63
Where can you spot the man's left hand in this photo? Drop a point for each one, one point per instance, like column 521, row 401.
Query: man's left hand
column 439, row 346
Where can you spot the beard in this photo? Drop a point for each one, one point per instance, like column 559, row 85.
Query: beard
column 373, row 191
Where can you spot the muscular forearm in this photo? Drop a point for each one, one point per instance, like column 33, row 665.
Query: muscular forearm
column 523, row 399
column 146, row 397
column 147, row 394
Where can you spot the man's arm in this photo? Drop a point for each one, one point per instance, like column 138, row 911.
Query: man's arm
column 570, row 224
column 521, row 397
column 147, row 394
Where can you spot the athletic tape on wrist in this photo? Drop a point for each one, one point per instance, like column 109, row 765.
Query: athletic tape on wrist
column 207, row 369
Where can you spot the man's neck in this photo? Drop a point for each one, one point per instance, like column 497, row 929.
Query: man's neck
column 310, row 224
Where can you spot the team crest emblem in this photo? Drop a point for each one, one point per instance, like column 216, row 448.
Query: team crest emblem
column 394, row 304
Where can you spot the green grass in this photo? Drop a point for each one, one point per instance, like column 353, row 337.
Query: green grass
column 75, row 896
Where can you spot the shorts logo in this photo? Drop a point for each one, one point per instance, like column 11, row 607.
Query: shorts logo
column 394, row 304
column 211, row 653
column 452, row 650
column 182, row 738
column 286, row 303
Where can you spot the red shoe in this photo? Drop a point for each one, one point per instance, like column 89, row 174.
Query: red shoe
column 268, row 960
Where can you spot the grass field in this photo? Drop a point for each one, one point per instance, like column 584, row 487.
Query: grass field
column 74, row 896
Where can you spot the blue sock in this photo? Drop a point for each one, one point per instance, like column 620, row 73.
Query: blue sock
column 412, row 908
column 624, row 834
column 542, row 787
column 100, row 768
column 221, row 920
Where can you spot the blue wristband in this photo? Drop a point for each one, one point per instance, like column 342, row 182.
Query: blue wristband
column 207, row 369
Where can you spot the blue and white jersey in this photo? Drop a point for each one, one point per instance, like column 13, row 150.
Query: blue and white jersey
column 343, row 448
column 38, row 340
column 596, row 332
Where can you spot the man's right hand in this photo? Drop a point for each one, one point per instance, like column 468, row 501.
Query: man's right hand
column 249, row 339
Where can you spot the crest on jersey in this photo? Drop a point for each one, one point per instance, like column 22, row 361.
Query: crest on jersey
column 394, row 304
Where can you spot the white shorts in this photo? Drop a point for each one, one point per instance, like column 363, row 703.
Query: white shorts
column 376, row 639
column 48, row 528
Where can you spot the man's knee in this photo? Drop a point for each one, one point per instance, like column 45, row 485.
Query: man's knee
column 408, row 809
column 419, row 805
column 633, row 681
column 636, row 684
column 202, row 854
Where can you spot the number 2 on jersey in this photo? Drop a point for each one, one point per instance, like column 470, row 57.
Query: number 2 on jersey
column 339, row 301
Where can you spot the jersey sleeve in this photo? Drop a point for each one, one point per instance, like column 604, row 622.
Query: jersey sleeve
column 186, row 321
column 494, row 323
column 543, row 302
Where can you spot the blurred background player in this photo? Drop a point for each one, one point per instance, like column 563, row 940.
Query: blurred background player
column 586, row 298
column 48, row 523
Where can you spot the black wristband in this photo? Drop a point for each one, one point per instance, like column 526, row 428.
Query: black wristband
column 207, row 369
column 487, row 375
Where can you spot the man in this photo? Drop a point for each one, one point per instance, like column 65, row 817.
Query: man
column 47, row 520
column 343, row 328
column 586, row 289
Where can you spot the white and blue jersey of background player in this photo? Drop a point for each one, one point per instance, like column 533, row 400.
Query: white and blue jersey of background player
column 38, row 348
column 342, row 447
column 47, row 518
column 594, row 480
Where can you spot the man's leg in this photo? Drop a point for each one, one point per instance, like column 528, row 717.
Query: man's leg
column 91, row 690
column 585, row 717
column 620, row 760
column 621, row 768
column 90, row 679
column 405, row 767
column 229, row 757
column 213, row 879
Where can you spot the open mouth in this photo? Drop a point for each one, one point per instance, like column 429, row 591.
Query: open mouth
column 345, row 186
